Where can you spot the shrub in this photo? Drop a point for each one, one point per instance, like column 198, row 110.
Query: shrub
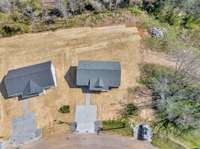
column 190, row 22
column 135, row 11
column 129, row 110
column 2, row 16
column 12, row 29
column 64, row 109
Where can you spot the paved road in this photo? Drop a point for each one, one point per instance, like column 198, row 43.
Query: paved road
column 77, row 141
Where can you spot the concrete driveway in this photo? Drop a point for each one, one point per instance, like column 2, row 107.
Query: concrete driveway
column 88, row 141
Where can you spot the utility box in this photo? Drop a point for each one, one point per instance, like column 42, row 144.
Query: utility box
column 143, row 132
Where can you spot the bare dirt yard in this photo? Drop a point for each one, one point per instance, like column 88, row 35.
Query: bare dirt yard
column 65, row 48
column 88, row 142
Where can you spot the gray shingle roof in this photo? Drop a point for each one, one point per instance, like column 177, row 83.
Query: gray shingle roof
column 98, row 75
column 99, row 83
column 99, row 65
column 29, row 81
column 31, row 88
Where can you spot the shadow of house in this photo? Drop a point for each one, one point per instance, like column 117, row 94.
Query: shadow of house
column 86, row 90
column 3, row 89
column 70, row 77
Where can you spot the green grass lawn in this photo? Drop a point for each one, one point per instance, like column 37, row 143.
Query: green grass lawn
column 165, row 143
column 191, row 140
column 117, row 127
column 121, row 131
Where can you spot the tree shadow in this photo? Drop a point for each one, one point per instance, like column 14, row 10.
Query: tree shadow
column 70, row 77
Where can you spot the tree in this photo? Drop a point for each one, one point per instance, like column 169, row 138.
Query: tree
column 176, row 98
column 153, row 6
column 97, row 6
column 61, row 6
column 188, row 63
column 5, row 6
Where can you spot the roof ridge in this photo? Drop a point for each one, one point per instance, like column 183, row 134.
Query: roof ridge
column 29, row 86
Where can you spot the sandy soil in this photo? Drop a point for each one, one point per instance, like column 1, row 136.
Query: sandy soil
column 157, row 58
column 65, row 48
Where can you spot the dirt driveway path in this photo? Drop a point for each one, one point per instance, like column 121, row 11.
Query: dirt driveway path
column 74, row 141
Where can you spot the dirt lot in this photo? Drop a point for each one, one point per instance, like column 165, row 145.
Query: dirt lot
column 88, row 142
column 65, row 48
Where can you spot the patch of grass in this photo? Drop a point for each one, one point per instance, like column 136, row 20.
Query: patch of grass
column 150, row 21
column 113, row 124
column 117, row 127
column 155, row 44
column 165, row 143
column 191, row 139
column 135, row 11
column 122, row 132
column 2, row 16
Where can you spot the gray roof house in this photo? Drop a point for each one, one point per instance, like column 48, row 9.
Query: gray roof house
column 98, row 75
column 30, row 81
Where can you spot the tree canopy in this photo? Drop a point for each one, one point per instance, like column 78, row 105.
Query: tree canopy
column 176, row 98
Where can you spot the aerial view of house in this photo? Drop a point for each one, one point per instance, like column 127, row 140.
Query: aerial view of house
column 30, row 80
column 103, row 74
column 94, row 76
column 98, row 75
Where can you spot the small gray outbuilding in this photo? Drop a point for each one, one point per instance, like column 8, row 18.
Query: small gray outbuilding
column 98, row 75
column 29, row 81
